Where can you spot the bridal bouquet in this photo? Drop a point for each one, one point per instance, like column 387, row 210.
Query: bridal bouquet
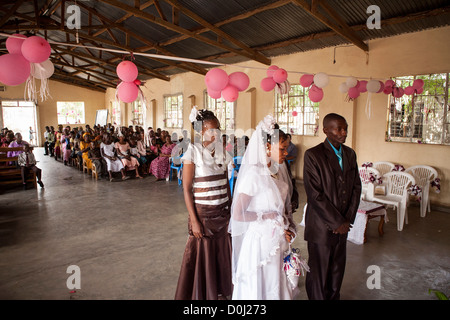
column 294, row 266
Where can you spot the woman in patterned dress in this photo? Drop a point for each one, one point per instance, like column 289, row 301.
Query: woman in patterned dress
column 206, row 268
column 160, row 167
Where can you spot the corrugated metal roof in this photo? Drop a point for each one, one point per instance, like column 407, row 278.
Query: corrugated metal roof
column 280, row 30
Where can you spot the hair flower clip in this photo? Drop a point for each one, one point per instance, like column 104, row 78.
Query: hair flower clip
column 268, row 124
column 193, row 115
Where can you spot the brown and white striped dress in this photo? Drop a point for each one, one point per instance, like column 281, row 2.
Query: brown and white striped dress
column 206, row 267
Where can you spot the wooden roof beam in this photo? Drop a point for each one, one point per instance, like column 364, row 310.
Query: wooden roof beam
column 238, row 17
column 220, row 33
column 339, row 25
column 146, row 16
column 187, row 66
column 11, row 12
column 87, row 84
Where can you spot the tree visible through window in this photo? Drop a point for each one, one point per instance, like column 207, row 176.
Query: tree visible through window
column 70, row 112
column 421, row 118
column 296, row 113
column 173, row 111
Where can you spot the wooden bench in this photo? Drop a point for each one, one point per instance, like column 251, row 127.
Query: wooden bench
column 10, row 172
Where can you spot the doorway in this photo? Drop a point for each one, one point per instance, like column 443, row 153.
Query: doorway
column 20, row 116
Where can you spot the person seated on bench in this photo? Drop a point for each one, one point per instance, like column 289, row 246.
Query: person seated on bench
column 15, row 144
column 27, row 161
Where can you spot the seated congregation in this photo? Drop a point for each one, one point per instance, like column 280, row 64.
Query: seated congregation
column 107, row 151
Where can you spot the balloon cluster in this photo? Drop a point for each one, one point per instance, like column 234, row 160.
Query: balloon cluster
column 26, row 56
column 354, row 87
column 220, row 84
column 315, row 83
column 128, row 88
column 275, row 76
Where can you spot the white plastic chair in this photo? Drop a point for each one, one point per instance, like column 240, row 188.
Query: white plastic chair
column 383, row 167
column 423, row 175
column 397, row 194
column 364, row 175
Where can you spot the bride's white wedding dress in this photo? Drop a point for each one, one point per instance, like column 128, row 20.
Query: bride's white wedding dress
column 260, row 214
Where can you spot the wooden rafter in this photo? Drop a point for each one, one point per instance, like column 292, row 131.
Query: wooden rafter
column 339, row 25
column 385, row 22
column 98, row 63
column 187, row 66
column 149, row 17
column 238, row 17
column 91, row 73
column 85, row 83
column 11, row 12
column 221, row 34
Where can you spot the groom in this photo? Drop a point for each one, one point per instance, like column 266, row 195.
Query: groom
column 333, row 190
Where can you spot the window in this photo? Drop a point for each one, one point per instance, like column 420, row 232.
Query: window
column 115, row 114
column 173, row 111
column 19, row 116
column 138, row 114
column 223, row 110
column 296, row 113
column 70, row 112
column 420, row 118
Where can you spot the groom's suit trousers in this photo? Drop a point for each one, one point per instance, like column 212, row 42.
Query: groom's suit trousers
column 327, row 266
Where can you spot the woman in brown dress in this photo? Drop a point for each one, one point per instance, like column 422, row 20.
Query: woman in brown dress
column 206, row 268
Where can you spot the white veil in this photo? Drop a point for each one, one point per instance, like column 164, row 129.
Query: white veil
column 257, row 197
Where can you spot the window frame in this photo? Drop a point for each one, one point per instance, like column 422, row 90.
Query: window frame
column 137, row 113
column 66, row 122
column 179, row 108
column 230, row 122
column 417, row 115
column 288, row 125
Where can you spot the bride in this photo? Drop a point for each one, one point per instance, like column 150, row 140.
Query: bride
column 261, row 223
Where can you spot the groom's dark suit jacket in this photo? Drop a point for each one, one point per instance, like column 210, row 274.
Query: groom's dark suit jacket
column 333, row 194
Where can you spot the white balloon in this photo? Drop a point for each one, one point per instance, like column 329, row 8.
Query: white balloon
column 343, row 88
column 283, row 88
column 373, row 86
column 321, row 79
column 43, row 70
column 351, row 82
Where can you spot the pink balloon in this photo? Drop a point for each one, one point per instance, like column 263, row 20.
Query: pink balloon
column 214, row 94
column 362, row 86
column 267, row 84
column 381, row 87
column 230, row 93
column 306, row 80
column 419, row 91
column 389, row 83
column 271, row 70
column 127, row 92
column 418, row 83
column 397, row 92
column 216, row 79
column 387, row 90
column 36, row 49
column 127, row 71
column 280, row 75
column 409, row 90
column 14, row 69
column 353, row 93
column 240, row 80
column 14, row 45
column 315, row 94
column 294, row 113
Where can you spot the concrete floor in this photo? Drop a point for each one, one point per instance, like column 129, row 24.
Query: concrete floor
column 128, row 239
